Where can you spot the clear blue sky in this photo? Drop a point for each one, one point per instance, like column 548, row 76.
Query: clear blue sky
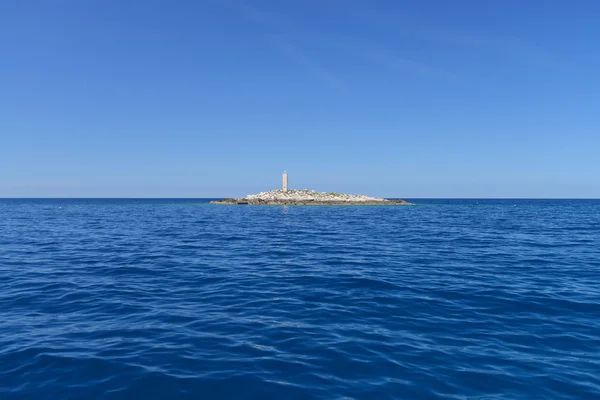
column 201, row 98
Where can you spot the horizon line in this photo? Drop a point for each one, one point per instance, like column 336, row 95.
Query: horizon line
column 221, row 197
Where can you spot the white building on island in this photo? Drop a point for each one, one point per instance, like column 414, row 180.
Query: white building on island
column 285, row 181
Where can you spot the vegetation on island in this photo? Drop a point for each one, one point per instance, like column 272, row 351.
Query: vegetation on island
column 306, row 197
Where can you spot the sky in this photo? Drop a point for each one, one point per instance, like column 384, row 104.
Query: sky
column 216, row 98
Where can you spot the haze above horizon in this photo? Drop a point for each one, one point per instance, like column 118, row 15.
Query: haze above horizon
column 215, row 98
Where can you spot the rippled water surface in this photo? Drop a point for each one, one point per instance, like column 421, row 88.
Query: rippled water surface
column 486, row 299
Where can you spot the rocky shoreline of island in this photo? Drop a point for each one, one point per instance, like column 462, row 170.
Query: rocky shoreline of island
column 308, row 197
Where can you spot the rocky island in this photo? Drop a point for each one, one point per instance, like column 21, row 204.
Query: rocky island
column 285, row 197
column 308, row 197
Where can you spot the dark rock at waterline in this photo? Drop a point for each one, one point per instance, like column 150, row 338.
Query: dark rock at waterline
column 287, row 202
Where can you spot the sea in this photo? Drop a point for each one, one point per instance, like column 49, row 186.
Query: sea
column 181, row 299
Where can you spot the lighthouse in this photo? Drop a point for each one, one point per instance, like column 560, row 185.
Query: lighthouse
column 285, row 181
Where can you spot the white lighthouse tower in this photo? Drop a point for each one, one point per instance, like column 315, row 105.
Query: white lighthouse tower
column 285, row 181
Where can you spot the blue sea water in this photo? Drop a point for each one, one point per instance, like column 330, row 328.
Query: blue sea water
column 457, row 299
